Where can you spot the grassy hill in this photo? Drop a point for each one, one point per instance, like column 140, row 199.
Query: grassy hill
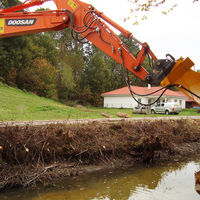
column 17, row 105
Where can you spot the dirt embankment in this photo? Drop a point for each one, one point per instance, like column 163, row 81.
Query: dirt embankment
column 32, row 154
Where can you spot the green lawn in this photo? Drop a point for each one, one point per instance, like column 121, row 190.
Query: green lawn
column 18, row 106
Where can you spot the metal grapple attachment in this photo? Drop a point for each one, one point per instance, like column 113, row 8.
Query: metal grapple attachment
column 187, row 80
column 168, row 73
column 161, row 69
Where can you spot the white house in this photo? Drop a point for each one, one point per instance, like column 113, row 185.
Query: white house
column 121, row 98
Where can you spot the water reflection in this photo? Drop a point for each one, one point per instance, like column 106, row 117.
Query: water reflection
column 169, row 182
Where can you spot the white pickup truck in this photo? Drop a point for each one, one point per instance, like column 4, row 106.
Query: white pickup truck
column 166, row 108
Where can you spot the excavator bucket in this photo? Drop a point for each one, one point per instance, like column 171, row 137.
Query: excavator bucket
column 185, row 77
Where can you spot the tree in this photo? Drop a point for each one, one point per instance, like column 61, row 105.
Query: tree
column 71, row 64
column 14, row 54
column 19, row 53
column 95, row 78
column 40, row 78
column 142, row 7
column 66, row 84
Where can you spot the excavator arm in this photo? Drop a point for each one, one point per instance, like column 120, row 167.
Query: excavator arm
column 92, row 25
column 13, row 24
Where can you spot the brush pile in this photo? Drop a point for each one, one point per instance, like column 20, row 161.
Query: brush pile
column 33, row 154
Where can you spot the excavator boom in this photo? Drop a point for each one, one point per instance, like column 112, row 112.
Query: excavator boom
column 92, row 25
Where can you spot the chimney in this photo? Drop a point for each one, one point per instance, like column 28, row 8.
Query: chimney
column 149, row 86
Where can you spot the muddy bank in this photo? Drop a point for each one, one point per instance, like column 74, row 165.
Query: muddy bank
column 42, row 154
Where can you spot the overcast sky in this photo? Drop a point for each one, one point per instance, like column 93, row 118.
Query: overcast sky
column 177, row 33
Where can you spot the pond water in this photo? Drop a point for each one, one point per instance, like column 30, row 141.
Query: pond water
column 167, row 182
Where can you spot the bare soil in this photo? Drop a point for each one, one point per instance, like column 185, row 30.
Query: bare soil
column 33, row 154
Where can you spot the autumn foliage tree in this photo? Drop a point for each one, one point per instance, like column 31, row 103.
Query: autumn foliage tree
column 40, row 78
column 139, row 9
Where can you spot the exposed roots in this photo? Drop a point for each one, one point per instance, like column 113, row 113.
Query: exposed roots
column 33, row 154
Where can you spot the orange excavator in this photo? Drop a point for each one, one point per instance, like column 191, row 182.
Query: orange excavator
column 89, row 24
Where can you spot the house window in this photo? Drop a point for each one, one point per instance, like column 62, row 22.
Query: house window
column 180, row 102
column 175, row 100
column 139, row 101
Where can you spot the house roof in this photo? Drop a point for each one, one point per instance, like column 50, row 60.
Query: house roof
column 143, row 91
